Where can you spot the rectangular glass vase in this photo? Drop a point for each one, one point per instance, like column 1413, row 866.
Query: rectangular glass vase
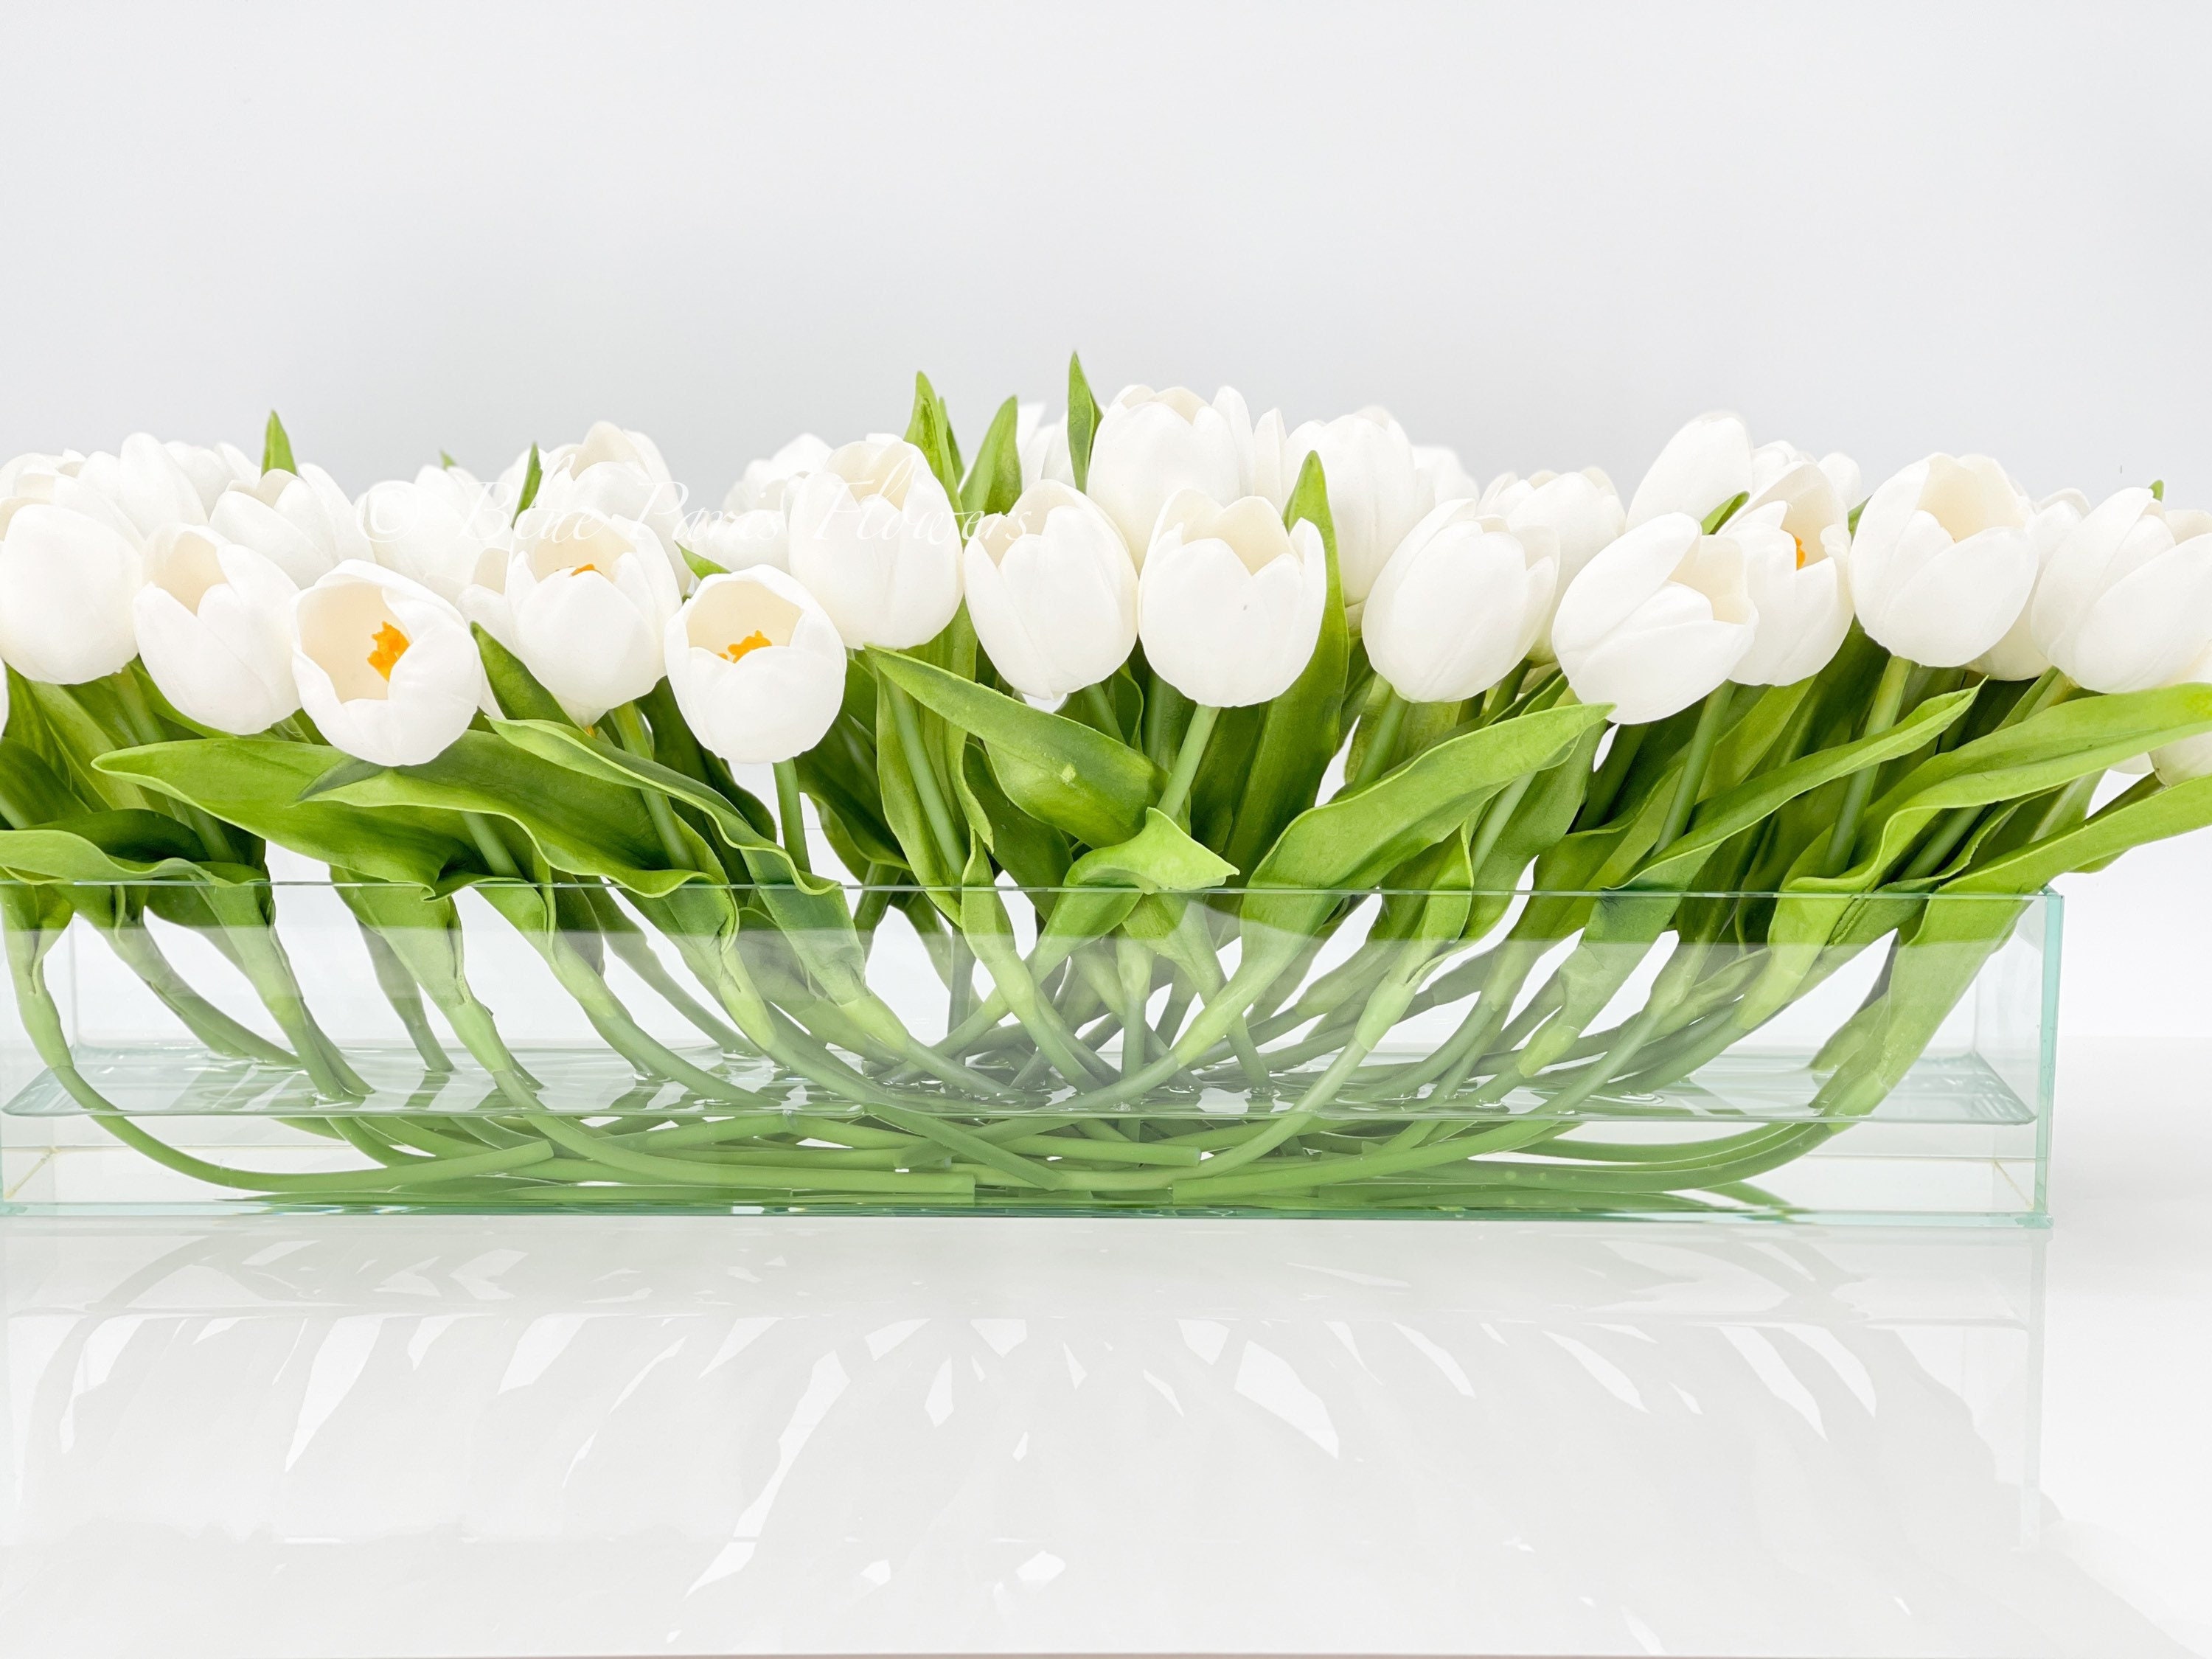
column 319, row 1045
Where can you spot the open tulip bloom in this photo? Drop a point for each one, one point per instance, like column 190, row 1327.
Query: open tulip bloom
column 1132, row 724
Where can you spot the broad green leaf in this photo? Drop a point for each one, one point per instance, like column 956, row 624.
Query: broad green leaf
column 533, row 475
column 277, row 447
column 581, row 824
column 1058, row 770
column 930, row 430
column 1160, row 858
column 1761, row 795
column 1083, row 416
column 112, row 847
column 256, row 783
column 2125, row 824
column 1035, row 854
column 995, row 482
column 31, row 790
column 1303, row 726
column 700, row 568
column 520, row 694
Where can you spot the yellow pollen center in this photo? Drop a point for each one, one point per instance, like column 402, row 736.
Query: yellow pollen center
column 581, row 568
column 752, row 641
column 391, row 645
column 1800, row 540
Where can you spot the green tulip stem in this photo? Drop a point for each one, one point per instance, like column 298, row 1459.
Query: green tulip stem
column 1381, row 736
column 789, row 815
column 1710, row 718
column 1888, row 698
column 629, row 727
column 1100, row 702
column 952, row 845
column 1187, row 759
column 490, row 845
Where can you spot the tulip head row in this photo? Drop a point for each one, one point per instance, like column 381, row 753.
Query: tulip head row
column 249, row 594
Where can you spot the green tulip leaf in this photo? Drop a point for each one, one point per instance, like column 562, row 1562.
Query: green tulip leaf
column 533, row 475
column 700, row 568
column 1299, row 734
column 930, row 430
column 258, row 784
column 1082, row 417
column 112, row 847
column 519, row 692
column 995, row 482
column 1058, row 770
column 277, row 447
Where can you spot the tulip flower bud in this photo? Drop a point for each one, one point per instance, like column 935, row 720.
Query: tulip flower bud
column 1656, row 621
column 1228, row 602
column 1704, row 465
column 1377, row 490
column 2178, row 762
column 1459, row 603
column 1443, row 476
column 2125, row 603
column 1794, row 536
column 591, row 597
column 213, row 471
column 619, row 475
column 213, row 623
column 2017, row 656
column 66, row 581
column 301, row 522
column 739, row 541
column 435, row 530
column 767, row 484
column 1150, row 444
column 1942, row 565
column 1052, row 591
column 757, row 665
column 1042, row 445
column 386, row 669
column 874, row 538
column 1581, row 509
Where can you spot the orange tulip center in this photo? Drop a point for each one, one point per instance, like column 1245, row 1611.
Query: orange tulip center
column 1800, row 540
column 752, row 641
column 581, row 568
column 391, row 645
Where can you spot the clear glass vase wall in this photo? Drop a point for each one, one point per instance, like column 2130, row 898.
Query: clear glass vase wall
column 1390, row 1054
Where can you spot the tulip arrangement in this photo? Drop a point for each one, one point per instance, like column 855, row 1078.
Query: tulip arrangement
column 1130, row 719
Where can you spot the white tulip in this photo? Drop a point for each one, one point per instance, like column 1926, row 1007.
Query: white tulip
column 302, row 522
column 2125, row 603
column 17, row 476
column 1706, row 463
column 620, row 475
column 589, row 597
column 767, row 483
column 1942, row 565
column 1582, row 510
column 2178, row 762
column 874, row 538
column 386, row 669
column 1271, row 473
column 1150, row 444
column 1794, row 536
column 739, row 541
column 146, row 485
column 214, row 628
column 1230, row 603
column 66, row 581
column 757, row 665
column 1711, row 461
column 2017, row 656
column 435, row 530
column 1445, row 479
column 1655, row 622
column 1459, row 603
column 1052, row 591
column 1042, row 445
column 212, row 471
column 1377, row 490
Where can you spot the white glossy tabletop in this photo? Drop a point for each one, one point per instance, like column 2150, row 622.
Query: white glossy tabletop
column 419, row 1436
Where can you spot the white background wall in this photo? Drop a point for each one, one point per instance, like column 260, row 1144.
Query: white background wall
column 1543, row 234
